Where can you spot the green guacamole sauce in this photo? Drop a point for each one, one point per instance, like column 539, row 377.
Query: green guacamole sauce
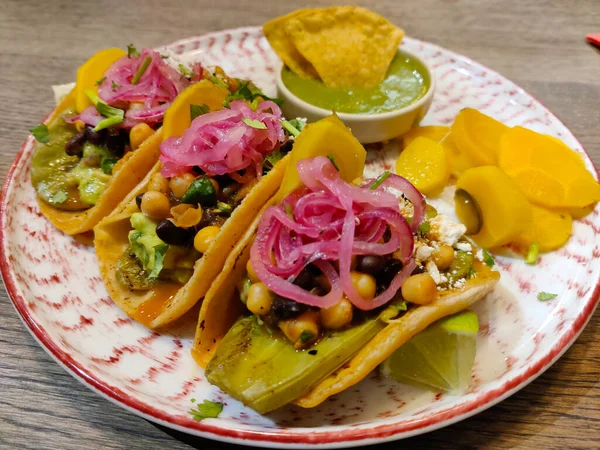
column 65, row 181
column 405, row 83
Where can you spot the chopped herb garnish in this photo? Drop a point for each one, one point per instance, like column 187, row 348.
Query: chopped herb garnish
column 272, row 159
column 206, row 410
column 290, row 128
column 198, row 110
column 114, row 86
column 472, row 272
column 100, row 81
column 107, row 123
column 425, row 227
column 488, row 259
column 288, row 210
column 184, row 71
column 141, row 70
column 193, row 400
column 298, row 124
column 379, row 180
column 254, row 123
column 532, row 253
column 107, row 164
column 131, row 51
column 59, row 197
column 306, row 336
column 245, row 91
column 216, row 80
column 332, row 159
column 545, row 296
column 224, row 208
column 114, row 116
column 402, row 306
column 40, row 133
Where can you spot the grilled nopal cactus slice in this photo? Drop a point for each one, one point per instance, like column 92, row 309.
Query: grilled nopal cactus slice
column 264, row 371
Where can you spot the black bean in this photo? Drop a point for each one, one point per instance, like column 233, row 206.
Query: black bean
column 138, row 200
column 305, row 280
column 284, row 308
column 386, row 275
column 171, row 234
column 371, row 264
column 74, row 146
column 209, row 218
column 116, row 141
column 95, row 137
column 418, row 270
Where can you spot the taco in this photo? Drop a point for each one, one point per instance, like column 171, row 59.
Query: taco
column 331, row 278
column 103, row 137
column 165, row 243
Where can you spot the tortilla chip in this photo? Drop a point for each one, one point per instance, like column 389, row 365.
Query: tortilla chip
column 282, row 45
column 127, row 173
column 170, row 301
column 400, row 331
column 348, row 46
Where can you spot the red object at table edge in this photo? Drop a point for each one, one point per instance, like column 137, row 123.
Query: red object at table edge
column 594, row 39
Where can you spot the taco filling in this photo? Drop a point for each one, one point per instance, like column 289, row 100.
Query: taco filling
column 330, row 266
column 77, row 153
column 204, row 176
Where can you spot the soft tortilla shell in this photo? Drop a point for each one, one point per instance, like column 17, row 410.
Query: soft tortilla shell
column 127, row 173
column 111, row 241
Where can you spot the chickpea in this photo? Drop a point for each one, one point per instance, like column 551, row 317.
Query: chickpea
column 180, row 184
column 419, row 289
column 158, row 183
column 186, row 216
column 302, row 330
column 204, row 238
column 138, row 134
column 443, row 257
column 337, row 316
column 155, row 205
column 364, row 284
column 251, row 273
column 259, row 299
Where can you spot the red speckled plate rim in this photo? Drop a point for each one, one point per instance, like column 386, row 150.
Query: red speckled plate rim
column 283, row 437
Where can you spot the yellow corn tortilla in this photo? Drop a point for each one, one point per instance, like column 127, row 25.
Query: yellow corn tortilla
column 127, row 173
column 111, row 241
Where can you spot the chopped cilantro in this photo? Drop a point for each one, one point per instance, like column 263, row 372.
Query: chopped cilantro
column 131, row 51
column 100, row 81
column 40, row 133
column 380, row 179
column 545, row 296
column 298, row 124
column 114, row 86
column 107, row 164
column 193, row 400
column 216, row 80
column 184, row 71
column 254, row 123
column 306, row 336
column 59, row 197
column 206, row 410
column 332, row 159
column 245, row 91
column 488, row 259
column 532, row 253
column 425, row 227
column 290, row 128
column 198, row 110
column 224, row 208
column 472, row 272
column 141, row 70
column 272, row 159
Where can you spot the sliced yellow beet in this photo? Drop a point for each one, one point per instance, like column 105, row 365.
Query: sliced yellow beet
column 550, row 229
column 177, row 117
column 505, row 212
column 424, row 163
column 478, row 136
column 582, row 191
column 577, row 213
column 90, row 72
column 434, row 132
column 326, row 137
column 458, row 161
column 540, row 188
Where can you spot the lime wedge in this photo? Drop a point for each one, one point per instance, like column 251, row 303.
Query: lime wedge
column 440, row 357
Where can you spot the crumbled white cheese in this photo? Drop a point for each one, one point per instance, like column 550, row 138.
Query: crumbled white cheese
column 446, row 231
column 479, row 255
column 423, row 252
column 459, row 283
column 406, row 208
column 463, row 246
column 435, row 273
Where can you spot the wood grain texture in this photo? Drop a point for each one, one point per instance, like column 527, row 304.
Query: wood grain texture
column 538, row 44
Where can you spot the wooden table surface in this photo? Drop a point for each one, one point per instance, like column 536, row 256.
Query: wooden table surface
column 538, row 44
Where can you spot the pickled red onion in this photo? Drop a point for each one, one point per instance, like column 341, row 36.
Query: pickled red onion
column 219, row 142
column 331, row 220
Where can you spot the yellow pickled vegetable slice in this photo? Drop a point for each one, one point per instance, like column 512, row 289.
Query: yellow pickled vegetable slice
column 582, row 191
column 326, row 137
column 434, row 132
column 177, row 117
column 505, row 212
column 540, row 188
column 550, row 229
column 458, row 161
column 424, row 164
column 478, row 136
column 577, row 213
column 90, row 72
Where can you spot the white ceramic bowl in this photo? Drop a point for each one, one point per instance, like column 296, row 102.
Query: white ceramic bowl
column 367, row 128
